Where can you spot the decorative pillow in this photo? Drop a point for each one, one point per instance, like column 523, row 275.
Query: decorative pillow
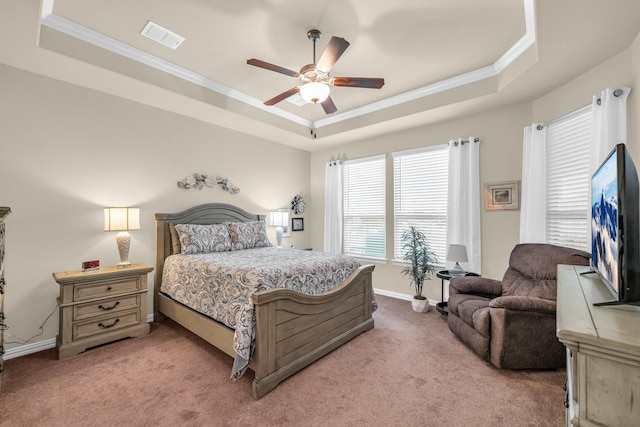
column 202, row 239
column 175, row 240
column 247, row 235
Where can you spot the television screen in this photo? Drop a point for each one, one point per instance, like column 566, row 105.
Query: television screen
column 615, row 226
column 605, row 249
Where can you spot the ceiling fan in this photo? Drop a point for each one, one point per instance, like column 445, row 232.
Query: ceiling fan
column 315, row 77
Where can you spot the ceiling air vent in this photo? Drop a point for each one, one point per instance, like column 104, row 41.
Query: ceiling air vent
column 162, row 35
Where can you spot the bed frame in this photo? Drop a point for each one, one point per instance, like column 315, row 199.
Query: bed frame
column 292, row 330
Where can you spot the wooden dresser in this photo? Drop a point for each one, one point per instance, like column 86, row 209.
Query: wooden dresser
column 101, row 306
column 4, row 211
column 603, row 352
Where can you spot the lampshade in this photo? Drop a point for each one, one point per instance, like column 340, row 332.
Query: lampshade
column 279, row 218
column 121, row 219
column 314, row 92
column 457, row 253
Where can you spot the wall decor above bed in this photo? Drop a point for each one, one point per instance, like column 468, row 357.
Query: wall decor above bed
column 297, row 204
column 200, row 180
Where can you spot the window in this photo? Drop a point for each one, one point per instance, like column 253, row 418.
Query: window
column 364, row 207
column 568, row 142
column 420, row 182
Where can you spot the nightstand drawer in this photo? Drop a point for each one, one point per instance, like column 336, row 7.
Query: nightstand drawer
column 105, row 324
column 106, row 306
column 106, row 289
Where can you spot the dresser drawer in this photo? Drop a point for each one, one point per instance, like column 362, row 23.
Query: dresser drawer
column 106, row 324
column 105, row 289
column 106, row 306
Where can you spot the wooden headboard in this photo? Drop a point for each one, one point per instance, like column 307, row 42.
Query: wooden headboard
column 209, row 213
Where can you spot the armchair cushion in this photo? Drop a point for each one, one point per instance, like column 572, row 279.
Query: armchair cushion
column 533, row 268
column 475, row 285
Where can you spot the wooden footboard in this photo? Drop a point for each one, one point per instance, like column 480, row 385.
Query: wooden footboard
column 294, row 330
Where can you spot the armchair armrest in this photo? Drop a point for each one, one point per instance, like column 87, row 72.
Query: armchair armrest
column 474, row 285
column 521, row 303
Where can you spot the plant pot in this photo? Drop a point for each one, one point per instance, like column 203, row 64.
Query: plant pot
column 420, row 305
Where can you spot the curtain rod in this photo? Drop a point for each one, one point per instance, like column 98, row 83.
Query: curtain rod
column 616, row 93
column 464, row 141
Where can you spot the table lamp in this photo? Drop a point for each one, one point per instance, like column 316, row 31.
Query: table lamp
column 122, row 220
column 457, row 253
column 279, row 219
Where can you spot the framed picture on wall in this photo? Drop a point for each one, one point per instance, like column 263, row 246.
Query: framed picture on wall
column 297, row 224
column 499, row 196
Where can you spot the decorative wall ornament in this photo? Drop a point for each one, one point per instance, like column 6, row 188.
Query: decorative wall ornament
column 200, row 180
column 297, row 204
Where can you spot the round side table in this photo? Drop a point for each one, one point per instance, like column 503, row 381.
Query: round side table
column 442, row 306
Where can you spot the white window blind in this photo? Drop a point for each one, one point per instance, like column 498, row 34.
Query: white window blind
column 568, row 180
column 420, row 182
column 364, row 207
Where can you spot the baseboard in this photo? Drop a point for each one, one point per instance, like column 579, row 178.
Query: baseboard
column 35, row 347
column 25, row 349
column 398, row 295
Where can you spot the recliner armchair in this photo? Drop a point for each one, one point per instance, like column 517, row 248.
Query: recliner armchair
column 512, row 323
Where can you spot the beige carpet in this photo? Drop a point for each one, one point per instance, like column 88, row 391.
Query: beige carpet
column 408, row 371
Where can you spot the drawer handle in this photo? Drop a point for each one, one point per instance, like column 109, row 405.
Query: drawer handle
column 103, row 326
column 109, row 289
column 102, row 307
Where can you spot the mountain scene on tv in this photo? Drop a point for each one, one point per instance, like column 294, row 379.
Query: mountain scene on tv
column 604, row 223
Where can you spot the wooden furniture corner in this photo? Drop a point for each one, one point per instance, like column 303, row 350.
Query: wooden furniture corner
column 603, row 352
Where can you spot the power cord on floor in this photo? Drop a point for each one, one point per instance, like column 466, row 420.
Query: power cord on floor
column 41, row 327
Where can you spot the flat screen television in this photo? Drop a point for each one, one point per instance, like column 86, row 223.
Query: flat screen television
column 615, row 227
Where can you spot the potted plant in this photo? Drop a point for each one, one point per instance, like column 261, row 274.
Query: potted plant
column 422, row 261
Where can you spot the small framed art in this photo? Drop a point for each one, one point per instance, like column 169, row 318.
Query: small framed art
column 499, row 196
column 297, row 224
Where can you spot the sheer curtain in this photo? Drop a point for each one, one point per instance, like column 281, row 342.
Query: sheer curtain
column 533, row 210
column 609, row 123
column 333, row 207
column 463, row 200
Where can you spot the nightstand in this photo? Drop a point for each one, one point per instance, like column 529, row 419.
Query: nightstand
column 101, row 306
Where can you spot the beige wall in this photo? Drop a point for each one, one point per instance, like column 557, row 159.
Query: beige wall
column 634, row 103
column 67, row 152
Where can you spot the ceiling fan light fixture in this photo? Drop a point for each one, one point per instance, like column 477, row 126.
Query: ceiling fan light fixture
column 314, row 92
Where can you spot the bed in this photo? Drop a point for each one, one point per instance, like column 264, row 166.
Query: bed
column 291, row 329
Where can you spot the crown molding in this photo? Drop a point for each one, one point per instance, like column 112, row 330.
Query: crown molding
column 49, row 19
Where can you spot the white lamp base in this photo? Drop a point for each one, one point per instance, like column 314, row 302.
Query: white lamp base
column 279, row 232
column 123, row 239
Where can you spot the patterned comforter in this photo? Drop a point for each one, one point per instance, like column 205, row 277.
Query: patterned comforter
column 220, row 284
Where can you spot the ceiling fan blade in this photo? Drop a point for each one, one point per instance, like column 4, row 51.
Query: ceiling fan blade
column 366, row 82
column 333, row 51
column 329, row 106
column 282, row 96
column 276, row 68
